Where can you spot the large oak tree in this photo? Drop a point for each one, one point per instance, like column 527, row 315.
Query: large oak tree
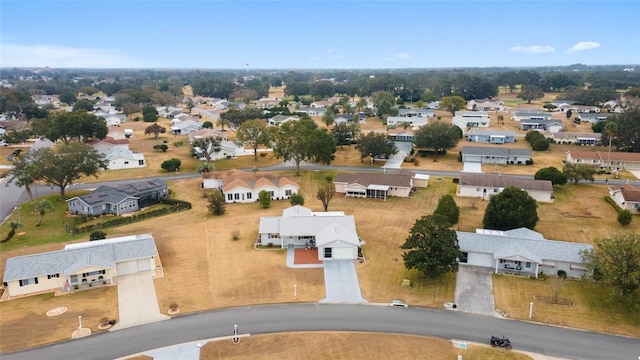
column 511, row 209
column 254, row 133
column 301, row 141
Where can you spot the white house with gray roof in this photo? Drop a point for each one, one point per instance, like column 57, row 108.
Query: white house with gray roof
column 530, row 115
column 592, row 118
column 281, row 119
column 79, row 265
column 185, row 127
column 485, row 186
column 471, row 119
column 414, row 121
column 491, row 136
column 495, row 155
column 426, row 113
column 552, row 126
column 333, row 233
column 521, row 251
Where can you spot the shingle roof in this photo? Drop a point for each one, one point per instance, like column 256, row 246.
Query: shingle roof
column 103, row 254
column 114, row 195
column 367, row 179
column 502, row 181
column 629, row 192
column 491, row 132
column 532, row 248
column 494, row 151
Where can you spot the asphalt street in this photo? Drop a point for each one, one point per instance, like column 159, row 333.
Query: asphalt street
column 532, row 337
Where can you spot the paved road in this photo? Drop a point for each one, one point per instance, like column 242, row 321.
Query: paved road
column 549, row 340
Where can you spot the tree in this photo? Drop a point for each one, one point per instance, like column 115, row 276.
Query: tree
column 610, row 129
column 207, row 125
column 172, row 164
column 615, row 262
column 13, row 226
column 67, row 96
column 205, row 167
column 296, row 199
column 376, row 145
column 205, row 147
column 511, row 209
column 302, row 140
column 552, row 174
column 66, row 163
column 448, row 209
column 149, row 114
column 190, row 105
column 41, row 207
column 155, row 129
column 83, row 104
column 254, row 133
column 579, row 172
column 341, row 134
column 438, row 136
column 217, row 205
column 264, row 198
column 530, row 92
column 325, row 194
column 625, row 217
column 161, row 147
column 67, row 126
column 222, row 123
column 569, row 113
column 627, row 138
column 384, row 102
column 328, row 118
column 23, row 175
column 501, row 119
column 361, row 104
column 453, row 103
column 432, row 247
column 97, row 235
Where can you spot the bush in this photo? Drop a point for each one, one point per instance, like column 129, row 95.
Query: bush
column 264, row 198
column 161, row 147
column 456, row 180
column 263, row 154
column 296, row 199
column 540, row 144
column 178, row 143
column 625, row 217
column 529, row 162
column 562, row 274
column 172, row 164
column 97, row 235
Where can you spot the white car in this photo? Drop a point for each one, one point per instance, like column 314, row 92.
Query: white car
column 397, row 302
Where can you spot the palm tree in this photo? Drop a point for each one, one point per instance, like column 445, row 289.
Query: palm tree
column 610, row 128
column 361, row 104
column 12, row 230
column 222, row 122
column 41, row 206
column 206, row 167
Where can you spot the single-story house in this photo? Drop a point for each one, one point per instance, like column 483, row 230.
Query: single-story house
column 528, row 115
column 627, row 197
column 552, row 126
column 486, row 185
column 401, row 134
column 583, row 139
column 205, row 133
column 485, row 105
column 185, row 127
column 169, row 112
column 346, row 118
column 491, row 136
column 375, row 185
column 604, row 159
column 108, row 144
column 114, row 119
column 124, row 159
column 414, row 122
column 242, row 187
column 118, row 200
column 116, row 133
column 226, row 150
column 470, row 119
column 333, row 233
column 591, row 117
column 426, row 113
column 80, row 265
column 281, row 119
column 495, row 155
column 267, row 102
column 312, row 111
column 521, row 251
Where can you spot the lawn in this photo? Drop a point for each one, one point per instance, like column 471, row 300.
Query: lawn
column 336, row 345
column 593, row 308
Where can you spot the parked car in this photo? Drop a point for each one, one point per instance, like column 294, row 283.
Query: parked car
column 397, row 302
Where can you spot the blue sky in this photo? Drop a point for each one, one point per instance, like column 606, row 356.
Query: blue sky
column 317, row 34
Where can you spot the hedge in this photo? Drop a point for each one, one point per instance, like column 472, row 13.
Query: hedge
column 174, row 206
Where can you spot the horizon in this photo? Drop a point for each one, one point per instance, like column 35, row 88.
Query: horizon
column 345, row 35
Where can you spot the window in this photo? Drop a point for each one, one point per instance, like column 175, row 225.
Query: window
column 271, row 194
column 527, row 265
column 464, row 257
column 30, row 281
column 126, row 163
column 140, row 162
column 327, row 253
column 229, row 196
column 53, row 276
column 93, row 273
column 249, row 196
column 236, row 196
column 287, row 192
column 273, row 236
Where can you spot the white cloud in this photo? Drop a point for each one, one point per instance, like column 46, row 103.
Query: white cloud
column 584, row 45
column 403, row 56
column 18, row 55
column 535, row 49
column 338, row 56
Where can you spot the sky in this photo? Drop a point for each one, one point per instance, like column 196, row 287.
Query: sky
column 347, row 34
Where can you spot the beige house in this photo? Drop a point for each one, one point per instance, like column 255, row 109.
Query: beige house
column 79, row 265
column 485, row 186
column 378, row 186
column 604, row 159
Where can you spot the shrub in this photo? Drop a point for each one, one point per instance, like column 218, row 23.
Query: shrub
column 625, row 217
column 178, row 143
column 172, row 164
column 263, row 154
column 264, row 198
column 456, row 180
column 562, row 274
column 161, row 147
column 97, row 235
column 296, row 199
column 540, row 144
column 529, row 162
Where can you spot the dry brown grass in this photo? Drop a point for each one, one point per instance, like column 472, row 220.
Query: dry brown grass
column 332, row 345
column 592, row 310
column 25, row 323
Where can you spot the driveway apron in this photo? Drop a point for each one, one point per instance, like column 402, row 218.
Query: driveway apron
column 341, row 282
column 474, row 290
column 137, row 300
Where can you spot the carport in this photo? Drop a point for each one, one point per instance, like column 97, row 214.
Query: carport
column 341, row 282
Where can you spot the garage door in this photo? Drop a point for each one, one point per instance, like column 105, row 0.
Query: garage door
column 343, row 253
column 144, row 265
column 133, row 266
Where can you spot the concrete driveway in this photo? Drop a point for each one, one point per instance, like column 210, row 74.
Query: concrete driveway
column 472, row 167
column 341, row 282
column 474, row 291
column 137, row 300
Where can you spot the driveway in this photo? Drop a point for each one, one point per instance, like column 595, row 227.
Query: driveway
column 137, row 300
column 474, row 291
column 341, row 282
column 472, row 167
